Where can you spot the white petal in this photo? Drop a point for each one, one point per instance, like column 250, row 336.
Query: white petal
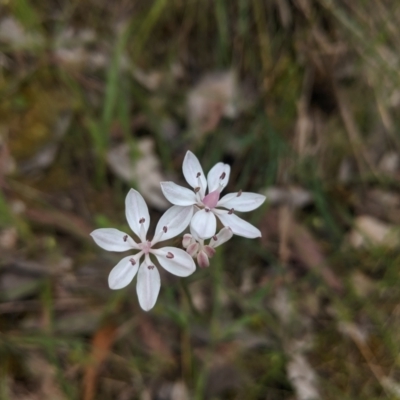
column 246, row 201
column 113, row 240
column 203, row 224
column 191, row 168
column 123, row 273
column 217, row 172
column 136, row 210
column 239, row 226
column 176, row 261
column 178, row 195
column 222, row 236
column 148, row 286
column 174, row 221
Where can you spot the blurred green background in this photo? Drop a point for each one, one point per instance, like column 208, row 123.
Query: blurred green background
column 301, row 98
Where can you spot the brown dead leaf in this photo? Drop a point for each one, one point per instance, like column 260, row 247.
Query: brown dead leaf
column 153, row 339
column 382, row 204
column 369, row 231
column 215, row 96
column 310, row 253
column 46, row 377
column 303, row 377
column 64, row 221
column 101, row 345
column 293, row 196
column 145, row 171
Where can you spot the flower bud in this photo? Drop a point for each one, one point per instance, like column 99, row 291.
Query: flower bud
column 209, row 251
column 203, row 260
column 193, row 249
column 187, row 240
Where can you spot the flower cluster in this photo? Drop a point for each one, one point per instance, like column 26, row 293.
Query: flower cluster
column 190, row 207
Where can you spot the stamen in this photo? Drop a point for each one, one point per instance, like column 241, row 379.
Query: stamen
column 125, row 238
column 207, row 209
column 132, row 260
column 197, row 189
column 223, row 175
column 165, row 229
column 150, row 267
column 239, row 193
column 215, row 237
column 169, row 255
column 141, row 220
column 198, row 174
column 231, row 211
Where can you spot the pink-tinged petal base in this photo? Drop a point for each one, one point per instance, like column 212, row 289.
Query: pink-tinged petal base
column 123, row 273
column 176, row 261
column 211, row 200
column 203, row 224
column 148, row 286
column 239, row 226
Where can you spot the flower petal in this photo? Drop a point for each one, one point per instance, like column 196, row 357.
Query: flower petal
column 174, row 260
column 203, row 224
column 113, row 240
column 123, row 273
column 245, row 201
column 173, row 222
column 148, row 286
column 211, row 200
column 238, row 225
column 222, row 236
column 178, row 195
column 218, row 175
column 136, row 210
column 191, row 168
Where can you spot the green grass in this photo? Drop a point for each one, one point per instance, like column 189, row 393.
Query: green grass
column 229, row 331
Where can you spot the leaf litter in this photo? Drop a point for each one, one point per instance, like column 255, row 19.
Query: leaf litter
column 308, row 312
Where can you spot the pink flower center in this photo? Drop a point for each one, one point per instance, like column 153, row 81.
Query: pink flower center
column 211, row 199
column 145, row 246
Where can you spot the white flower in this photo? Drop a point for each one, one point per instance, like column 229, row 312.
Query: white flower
column 196, row 247
column 204, row 222
column 174, row 260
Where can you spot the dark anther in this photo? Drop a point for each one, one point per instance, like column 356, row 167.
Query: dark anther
column 125, row 238
column 196, row 189
column 207, row 209
column 165, row 229
column 198, row 174
column 223, row 175
column 141, row 220
column 215, row 237
column 239, row 193
column 231, row 211
column 170, row 255
column 150, row 267
column 132, row 260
